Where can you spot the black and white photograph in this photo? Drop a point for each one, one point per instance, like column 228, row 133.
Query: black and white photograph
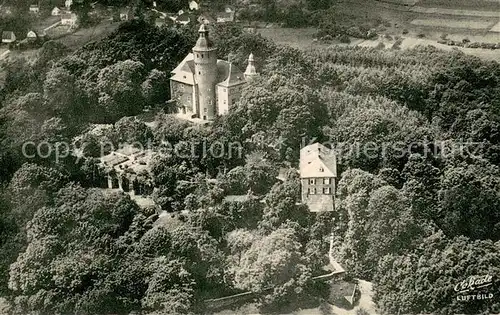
column 249, row 157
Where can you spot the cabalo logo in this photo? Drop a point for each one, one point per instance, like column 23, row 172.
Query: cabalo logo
column 472, row 285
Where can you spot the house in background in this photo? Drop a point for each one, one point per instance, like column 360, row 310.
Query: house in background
column 31, row 36
column 193, row 5
column 224, row 17
column 183, row 19
column 8, row 37
column 125, row 14
column 34, row 8
column 68, row 19
column 55, row 11
column 205, row 18
column 163, row 21
column 68, row 4
column 318, row 174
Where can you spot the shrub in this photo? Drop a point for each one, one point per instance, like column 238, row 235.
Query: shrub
column 405, row 31
column 420, row 35
column 344, row 39
column 380, row 46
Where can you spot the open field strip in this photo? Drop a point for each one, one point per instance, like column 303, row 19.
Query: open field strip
column 445, row 11
column 401, row 2
column 452, row 23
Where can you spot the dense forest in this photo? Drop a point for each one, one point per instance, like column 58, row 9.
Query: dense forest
column 414, row 221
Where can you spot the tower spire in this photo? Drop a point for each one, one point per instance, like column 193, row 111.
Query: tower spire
column 251, row 72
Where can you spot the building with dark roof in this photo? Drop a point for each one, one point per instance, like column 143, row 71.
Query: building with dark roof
column 203, row 85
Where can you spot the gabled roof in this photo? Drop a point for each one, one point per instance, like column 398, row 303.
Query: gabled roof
column 316, row 160
column 184, row 72
column 205, row 17
column 31, row 34
column 7, row 35
column 232, row 74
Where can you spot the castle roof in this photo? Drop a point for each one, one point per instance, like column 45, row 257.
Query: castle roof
column 233, row 75
column 227, row 74
column 203, row 42
column 8, row 35
column 316, row 160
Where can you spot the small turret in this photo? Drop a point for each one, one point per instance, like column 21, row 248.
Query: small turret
column 251, row 72
column 203, row 42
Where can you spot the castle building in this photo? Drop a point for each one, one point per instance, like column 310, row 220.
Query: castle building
column 318, row 174
column 204, row 86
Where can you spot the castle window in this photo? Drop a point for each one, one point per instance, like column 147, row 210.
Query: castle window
column 311, row 191
column 199, row 72
column 198, row 55
column 225, row 102
column 202, row 56
column 326, row 181
column 312, row 181
column 321, row 169
column 327, row 191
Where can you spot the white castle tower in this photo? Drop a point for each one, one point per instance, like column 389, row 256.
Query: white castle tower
column 205, row 74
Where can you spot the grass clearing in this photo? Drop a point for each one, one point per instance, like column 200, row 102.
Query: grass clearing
column 86, row 35
column 461, row 12
column 468, row 24
column 295, row 37
column 492, row 5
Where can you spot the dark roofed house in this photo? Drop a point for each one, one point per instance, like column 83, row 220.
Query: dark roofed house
column 343, row 294
column 8, row 37
column 183, row 19
column 206, row 18
column 159, row 22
